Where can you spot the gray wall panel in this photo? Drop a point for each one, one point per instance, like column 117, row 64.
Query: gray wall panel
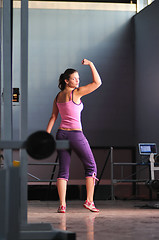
column 59, row 39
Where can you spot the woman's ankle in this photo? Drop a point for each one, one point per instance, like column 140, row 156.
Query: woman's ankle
column 62, row 203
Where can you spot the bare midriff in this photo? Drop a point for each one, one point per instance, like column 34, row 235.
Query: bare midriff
column 70, row 129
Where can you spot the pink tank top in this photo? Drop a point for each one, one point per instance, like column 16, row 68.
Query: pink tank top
column 70, row 114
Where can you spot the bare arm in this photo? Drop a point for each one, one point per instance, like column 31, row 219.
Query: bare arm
column 53, row 117
column 96, row 80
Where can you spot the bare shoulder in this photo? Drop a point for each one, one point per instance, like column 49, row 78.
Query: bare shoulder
column 62, row 96
column 76, row 92
column 57, row 96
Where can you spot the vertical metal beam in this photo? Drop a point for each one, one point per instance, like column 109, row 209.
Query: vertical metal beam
column 24, row 106
column 3, row 189
column 9, row 210
column 7, row 76
column 112, row 173
column 13, row 189
column 7, row 97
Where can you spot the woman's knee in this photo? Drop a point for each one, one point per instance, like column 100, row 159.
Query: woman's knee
column 64, row 164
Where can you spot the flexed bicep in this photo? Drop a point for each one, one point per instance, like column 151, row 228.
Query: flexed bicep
column 96, row 80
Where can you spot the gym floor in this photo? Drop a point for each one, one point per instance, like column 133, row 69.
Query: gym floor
column 117, row 220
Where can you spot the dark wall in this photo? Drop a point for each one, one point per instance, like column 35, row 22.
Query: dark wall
column 147, row 74
column 1, row 36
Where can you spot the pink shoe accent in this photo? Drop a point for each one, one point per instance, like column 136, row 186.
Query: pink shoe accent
column 90, row 206
column 61, row 209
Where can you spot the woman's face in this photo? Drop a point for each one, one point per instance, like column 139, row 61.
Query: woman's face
column 73, row 81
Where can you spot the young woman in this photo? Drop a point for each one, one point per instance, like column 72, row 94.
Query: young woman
column 68, row 104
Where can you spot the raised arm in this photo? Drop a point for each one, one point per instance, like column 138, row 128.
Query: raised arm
column 53, row 117
column 96, row 80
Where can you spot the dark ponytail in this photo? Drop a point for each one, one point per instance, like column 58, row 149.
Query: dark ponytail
column 63, row 76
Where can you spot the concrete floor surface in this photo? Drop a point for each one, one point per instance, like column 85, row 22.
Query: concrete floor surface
column 117, row 220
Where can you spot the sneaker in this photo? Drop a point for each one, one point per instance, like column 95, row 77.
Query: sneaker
column 61, row 209
column 90, row 206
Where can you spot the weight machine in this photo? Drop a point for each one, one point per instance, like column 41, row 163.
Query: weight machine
column 150, row 149
column 13, row 180
column 38, row 145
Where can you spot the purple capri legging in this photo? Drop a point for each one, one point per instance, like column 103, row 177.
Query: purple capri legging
column 80, row 145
